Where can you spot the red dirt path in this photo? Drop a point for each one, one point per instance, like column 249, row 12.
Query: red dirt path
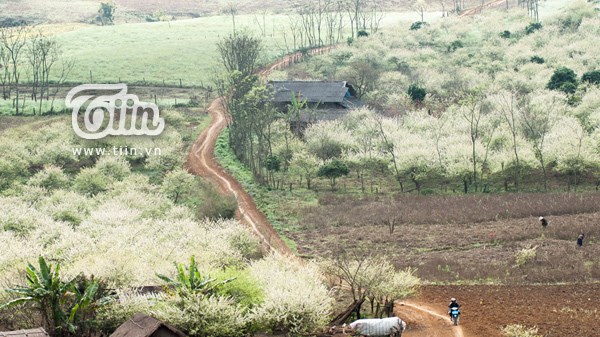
column 201, row 161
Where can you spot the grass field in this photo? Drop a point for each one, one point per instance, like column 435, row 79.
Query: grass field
column 170, row 51
column 153, row 52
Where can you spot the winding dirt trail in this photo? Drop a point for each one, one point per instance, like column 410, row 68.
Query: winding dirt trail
column 423, row 322
column 201, row 161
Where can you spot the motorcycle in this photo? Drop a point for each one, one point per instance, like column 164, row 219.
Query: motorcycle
column 454, row 313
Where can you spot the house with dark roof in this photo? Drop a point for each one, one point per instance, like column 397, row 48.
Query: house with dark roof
column 142, row 325
column 327, row 100
column 39, row 332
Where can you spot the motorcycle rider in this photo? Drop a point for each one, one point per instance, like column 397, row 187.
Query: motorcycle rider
column 453, row 304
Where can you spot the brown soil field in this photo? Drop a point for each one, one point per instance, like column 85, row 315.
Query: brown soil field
column 479, row 252
column 557, row 310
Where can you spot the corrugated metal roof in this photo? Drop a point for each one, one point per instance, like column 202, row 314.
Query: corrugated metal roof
column 39, row 332
column 312, row 91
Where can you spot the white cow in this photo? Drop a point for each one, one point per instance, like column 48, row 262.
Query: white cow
column 388, row 327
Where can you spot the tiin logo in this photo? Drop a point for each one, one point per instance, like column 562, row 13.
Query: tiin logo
column 99, row 118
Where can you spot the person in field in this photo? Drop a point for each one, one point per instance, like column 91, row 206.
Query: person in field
column 544, row 222
column 580, row 240
column 453, row 304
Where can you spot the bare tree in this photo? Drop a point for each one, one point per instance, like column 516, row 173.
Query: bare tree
column 419, row 6
column 537, row 123
column 5, row 71
column 232, row 10
column 475, row 108
column 507, row 101
column 14, row 40
column 43, row 53
column 67, row 66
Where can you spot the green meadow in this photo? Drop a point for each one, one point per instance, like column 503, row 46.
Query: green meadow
column 160, row 51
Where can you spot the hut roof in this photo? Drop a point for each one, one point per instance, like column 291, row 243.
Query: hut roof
column 141, row 325
column 39, row 332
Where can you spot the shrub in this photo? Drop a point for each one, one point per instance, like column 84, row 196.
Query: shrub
column 90, row 182
column 518, row 330
column 113, row 167
column 216, row 206
column 67, row 216
column 295, row 299
column 417, row 25
column 563, row 79
column 456, row 44
column 326, row 149
column 245, row 290
column 333, row 170
column 273, row 163
column 50, row 178
column 532, row 27
column 525, row 255
column 198, row 315
column 417, row 93
column 592, row 77
column 177, row 184
column 537, row 59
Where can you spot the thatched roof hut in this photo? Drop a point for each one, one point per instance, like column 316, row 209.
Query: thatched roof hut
column 39, row 332
column 141, row 325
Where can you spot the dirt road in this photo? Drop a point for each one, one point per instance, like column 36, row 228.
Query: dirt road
column 201, row 161
column 422, row 321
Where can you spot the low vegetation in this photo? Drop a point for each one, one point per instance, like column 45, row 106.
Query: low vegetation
column 517, row 330
column 97, row 222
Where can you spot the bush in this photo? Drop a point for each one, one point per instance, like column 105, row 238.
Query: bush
column 113, row 167
column 90, row 182
column 178, row 184
column 517, row 330
column 417, row 25
column 456, row 44
column 200, row 316
column 67, row 216
column 537, row 59
column 532, row 27
column 417, row 93
column 592, row 77
column 333, row 170
column 563, row 79
column 245, row 290
column 216, row 206
column 295, row 299
column 50, row 178
column 326, row 149
column 525, row 255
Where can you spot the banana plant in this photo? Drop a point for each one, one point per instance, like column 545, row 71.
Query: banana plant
column 190, row 279
column 61, row 303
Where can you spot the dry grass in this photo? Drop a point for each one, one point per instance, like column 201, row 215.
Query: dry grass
column 347, row 210
column 465, row 239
